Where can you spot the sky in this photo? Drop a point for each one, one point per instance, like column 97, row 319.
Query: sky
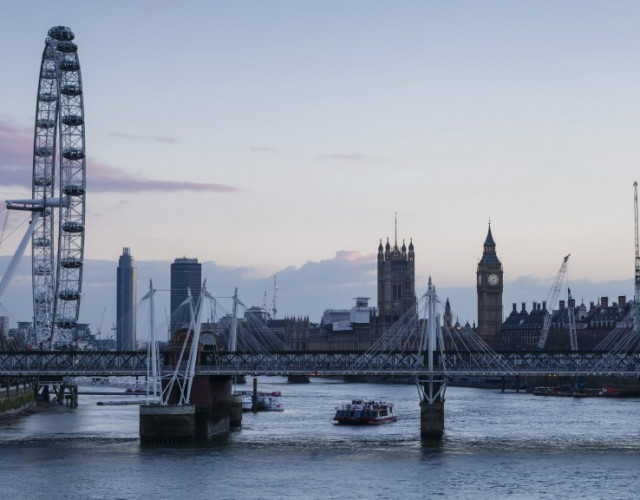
column 282, row 137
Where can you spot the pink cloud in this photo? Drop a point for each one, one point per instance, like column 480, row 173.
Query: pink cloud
column 103, row 178
column 353, row 256
column 16, row 147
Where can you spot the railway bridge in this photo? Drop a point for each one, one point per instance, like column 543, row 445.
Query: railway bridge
column 449, row 364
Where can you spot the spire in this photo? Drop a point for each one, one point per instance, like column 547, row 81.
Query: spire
column 489, row 254
column 396, row 231
column 489, row 241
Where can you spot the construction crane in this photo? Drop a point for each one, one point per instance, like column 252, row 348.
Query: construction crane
column 101, row 321
column 552, row 298
column 636, row 298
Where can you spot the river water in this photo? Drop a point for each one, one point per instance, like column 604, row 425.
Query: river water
column 495, row 446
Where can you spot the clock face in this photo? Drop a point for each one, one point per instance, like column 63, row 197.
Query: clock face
column 493, row 279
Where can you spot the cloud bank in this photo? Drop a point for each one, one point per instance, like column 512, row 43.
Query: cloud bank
column 16, row 147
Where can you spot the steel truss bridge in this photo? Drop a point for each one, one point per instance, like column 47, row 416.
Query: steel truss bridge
column 401, row 364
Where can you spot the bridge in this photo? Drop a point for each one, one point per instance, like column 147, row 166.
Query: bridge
column 401, row 364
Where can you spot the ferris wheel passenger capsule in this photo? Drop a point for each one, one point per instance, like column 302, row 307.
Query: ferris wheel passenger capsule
column 67, row 47
column 61, row 33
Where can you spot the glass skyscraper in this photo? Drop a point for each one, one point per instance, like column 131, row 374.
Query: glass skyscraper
column 126, row 303
column 186, row 274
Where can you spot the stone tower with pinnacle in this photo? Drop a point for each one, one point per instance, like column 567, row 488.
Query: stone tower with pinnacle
column 489, row 287
column 396, row 279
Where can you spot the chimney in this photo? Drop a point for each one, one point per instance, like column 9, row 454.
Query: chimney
column 515, row 310
column 524, row 307
column 622, row 301
column 604, row 302
column 561, row 305
column 544, row 305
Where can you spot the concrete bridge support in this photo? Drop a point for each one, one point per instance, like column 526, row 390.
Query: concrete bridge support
column 235, row 411
column 432, row 391
column 208, row 416
column 431, row 420
column 68, row 393
column 167, row 424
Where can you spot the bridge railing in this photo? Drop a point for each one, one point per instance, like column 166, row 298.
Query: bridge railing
column 73, row 363
column 110, row 363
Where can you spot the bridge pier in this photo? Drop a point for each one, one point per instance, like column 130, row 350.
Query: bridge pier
column 431, row 420
column 167, row 424
column 432, row 391
column 211, row 413
column 41, row 392
column 235, row 411
column 70, row 399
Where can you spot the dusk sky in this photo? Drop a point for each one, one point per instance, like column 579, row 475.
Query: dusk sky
column 281, row 137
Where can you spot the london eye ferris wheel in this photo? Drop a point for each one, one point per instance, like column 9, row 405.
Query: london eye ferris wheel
column 58, row 193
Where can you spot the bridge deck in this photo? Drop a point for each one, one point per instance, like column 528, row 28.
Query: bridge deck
column 111, row 363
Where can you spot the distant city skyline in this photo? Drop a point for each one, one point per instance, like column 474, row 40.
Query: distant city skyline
column 306, row 291
column 282, row 139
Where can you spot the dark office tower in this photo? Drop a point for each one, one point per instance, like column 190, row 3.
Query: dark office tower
column 186, row 274
column 126, row 307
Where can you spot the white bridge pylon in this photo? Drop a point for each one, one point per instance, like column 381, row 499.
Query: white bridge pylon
column 432, row 347
column 185, row 370
column 249, row 335
column 432, row 388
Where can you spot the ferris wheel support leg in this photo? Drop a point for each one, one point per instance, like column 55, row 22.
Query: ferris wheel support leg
column 15, row 260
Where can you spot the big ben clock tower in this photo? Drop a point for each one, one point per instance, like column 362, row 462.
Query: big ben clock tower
column 489, row 293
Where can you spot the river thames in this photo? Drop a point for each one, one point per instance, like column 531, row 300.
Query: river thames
column 495, row 446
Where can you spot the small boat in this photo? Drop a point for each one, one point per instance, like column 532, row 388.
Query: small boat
column 360, row 411
column 267, row 401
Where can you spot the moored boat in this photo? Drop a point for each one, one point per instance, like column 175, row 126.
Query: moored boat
column 360, row 411
column 267, row 401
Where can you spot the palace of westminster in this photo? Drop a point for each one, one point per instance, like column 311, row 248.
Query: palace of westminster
column 359, row 327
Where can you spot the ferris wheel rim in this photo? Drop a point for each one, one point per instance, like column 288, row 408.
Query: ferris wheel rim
column 59, row 150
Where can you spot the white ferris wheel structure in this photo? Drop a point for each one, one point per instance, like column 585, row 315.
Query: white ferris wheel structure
column 57, row 203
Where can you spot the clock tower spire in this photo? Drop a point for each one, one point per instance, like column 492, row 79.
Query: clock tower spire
column 489, row 287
